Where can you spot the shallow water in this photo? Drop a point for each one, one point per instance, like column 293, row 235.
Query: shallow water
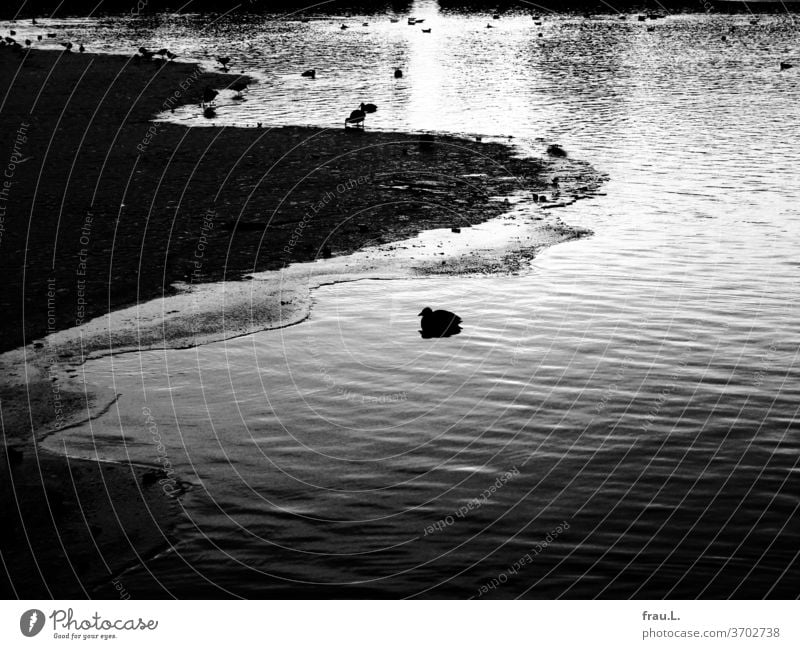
column 641, row 385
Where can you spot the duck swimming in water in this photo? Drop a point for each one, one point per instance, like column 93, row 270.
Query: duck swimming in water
column 439, row 323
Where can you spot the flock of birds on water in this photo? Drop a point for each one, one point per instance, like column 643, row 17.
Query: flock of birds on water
column 355, row 119
column 164, row 54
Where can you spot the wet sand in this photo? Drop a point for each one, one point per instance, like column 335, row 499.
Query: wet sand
column 104, row 209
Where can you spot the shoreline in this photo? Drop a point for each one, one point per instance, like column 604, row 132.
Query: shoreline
column 154, row 234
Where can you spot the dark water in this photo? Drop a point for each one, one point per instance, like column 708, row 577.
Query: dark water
column 632, row 397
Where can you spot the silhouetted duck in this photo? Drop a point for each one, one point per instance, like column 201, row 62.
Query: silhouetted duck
column 398, row 73
column 368, row 108
column 786, row 66
column 311, row 74
column 439, row 323
column 426, row 31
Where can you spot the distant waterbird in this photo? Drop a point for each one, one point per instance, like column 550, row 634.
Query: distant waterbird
column 398, row 73
column 81, row 49
column 311, row 74
column 786, row 66
column 368, row 108
column 209, row 95
column 239, row 86
column 426, row 31
column 223, row 61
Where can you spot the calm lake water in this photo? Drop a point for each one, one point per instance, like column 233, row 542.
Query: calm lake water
column 619, row 420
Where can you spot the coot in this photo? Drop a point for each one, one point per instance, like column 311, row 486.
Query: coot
column 439, row 323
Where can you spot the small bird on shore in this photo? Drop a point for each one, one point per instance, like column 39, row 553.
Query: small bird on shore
column 439, row 323
column 398, row 73
column 357, row 114
column 368, row 108
column 81, row 49
column 311, row 74
column 223, row 61
column 356, row 119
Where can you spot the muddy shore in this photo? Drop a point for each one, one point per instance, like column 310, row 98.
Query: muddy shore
column 105, row 208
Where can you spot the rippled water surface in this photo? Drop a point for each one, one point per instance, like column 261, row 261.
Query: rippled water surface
column 624, row 414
